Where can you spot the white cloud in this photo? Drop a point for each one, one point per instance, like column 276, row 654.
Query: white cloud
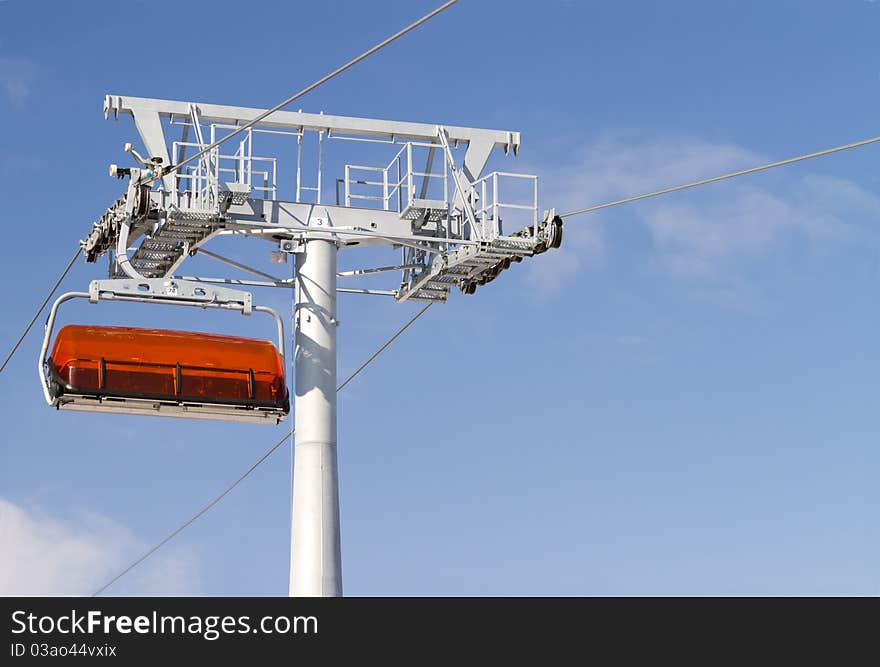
column 583, row 245
column 701, row 240
column 622, row 165
column 16, row 79
column 43, row 555
column 704, row 235
column 708, row 237
column 613, row 167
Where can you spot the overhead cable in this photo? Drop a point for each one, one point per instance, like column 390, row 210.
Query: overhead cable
column 40, row 309
column 339, row 70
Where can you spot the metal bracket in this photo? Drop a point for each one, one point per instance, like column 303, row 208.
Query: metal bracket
column 168, row 289
column 294, row 246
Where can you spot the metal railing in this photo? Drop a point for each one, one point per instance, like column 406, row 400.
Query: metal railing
column 201, row 181
column 489, row 208
column 396, row 185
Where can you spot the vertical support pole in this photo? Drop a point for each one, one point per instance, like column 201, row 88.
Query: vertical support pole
column 320, row 163
column 315, row 555
column 495, row 207
column 299, row 142
column 409, row 175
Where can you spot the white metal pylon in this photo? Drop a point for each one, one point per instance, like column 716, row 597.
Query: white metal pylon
column 315, row 554
column 447, row 221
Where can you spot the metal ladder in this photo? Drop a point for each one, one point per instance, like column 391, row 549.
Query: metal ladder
column 159, row 254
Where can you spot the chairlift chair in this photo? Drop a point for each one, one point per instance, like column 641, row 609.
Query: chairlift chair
column 127, row 370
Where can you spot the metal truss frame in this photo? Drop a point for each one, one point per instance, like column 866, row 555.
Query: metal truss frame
column 445, row 244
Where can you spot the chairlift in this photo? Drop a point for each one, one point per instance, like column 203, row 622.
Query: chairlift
column 127, row 370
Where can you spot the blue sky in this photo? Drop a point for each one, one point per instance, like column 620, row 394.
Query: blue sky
column 683, row 400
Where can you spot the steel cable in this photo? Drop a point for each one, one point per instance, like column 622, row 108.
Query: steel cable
column 339, row 70
column 27, row 329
